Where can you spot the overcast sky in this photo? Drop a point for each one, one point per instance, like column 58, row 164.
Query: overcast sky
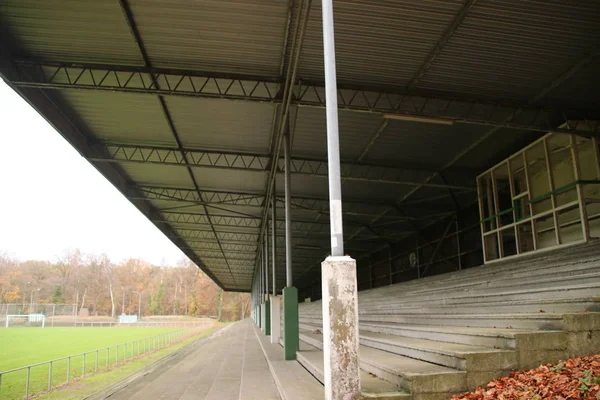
column 52, row 200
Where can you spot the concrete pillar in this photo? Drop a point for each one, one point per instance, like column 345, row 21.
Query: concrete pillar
column 262, row 317
column 275, row 319
column 340, row 329
column 259, row 316
column 291, row 333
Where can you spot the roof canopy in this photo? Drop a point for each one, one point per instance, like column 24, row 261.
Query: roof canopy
column 182, row 106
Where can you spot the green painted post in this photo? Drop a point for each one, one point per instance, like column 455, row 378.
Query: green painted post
column 267, row 318
column 290, row 323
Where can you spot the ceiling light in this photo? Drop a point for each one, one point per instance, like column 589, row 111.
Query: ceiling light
column 307, row 247
column 415, row 118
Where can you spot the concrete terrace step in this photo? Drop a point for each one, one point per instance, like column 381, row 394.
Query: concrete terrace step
column 531, row 321
column 425, row 381
column 500, row 306
column 508, row 339
column 586, row 257
column 372, row 387
column 443, row 282
column 457, row 356
column 569, row 264
column 293, row 382
column 580, row 286
column 539, row 279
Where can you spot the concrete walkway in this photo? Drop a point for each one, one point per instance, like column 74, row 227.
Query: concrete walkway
column 229, row 365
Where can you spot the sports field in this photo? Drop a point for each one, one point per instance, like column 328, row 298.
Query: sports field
column 24, row 346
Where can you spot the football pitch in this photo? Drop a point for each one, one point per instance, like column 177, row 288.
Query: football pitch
column 24, row 346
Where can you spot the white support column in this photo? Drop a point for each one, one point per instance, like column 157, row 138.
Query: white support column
column 340, row 329
column 338, row 272
column 275, row 319
column 262, row 316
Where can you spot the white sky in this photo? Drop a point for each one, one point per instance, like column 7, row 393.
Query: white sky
column 51, row 199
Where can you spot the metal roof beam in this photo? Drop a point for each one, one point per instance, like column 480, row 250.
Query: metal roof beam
column 163, row 105
column 252, row 162
column 423, row 105
column 356, row 206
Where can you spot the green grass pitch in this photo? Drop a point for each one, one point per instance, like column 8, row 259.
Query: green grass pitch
column 24, row 346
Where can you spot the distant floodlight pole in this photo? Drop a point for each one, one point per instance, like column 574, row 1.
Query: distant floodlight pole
column 333, row 136
column 123, row 304
column 139, row 303
column 31, row 300
column 341, row 370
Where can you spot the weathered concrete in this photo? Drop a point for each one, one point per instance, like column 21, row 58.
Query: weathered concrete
column 340, row 329
column 290, row 323
column 227, row 366
column 275, row 319
column 293, row 382
column 372, row 386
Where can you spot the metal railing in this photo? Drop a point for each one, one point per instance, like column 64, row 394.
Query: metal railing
column 23, row 382
column 140, row 324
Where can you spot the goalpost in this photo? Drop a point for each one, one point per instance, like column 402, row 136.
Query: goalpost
column 26, row 320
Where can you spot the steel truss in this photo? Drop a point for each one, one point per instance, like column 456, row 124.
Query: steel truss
column 184, row 219
column 256, row 162
column 357, row 207
column 159, row 81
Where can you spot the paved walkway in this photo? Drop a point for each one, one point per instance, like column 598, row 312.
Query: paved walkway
column 229, row 365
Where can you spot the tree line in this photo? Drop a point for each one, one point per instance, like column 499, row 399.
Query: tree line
column 101, row 287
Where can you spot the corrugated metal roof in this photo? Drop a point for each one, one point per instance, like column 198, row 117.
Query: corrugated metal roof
column 420, row 143
column 158, row 175
column 383, row 42
column 71, row 30
column 218, row 179
column 512, row 48
column 241, row 36
column 215, row 124
column 310, row 135
column 122, row 117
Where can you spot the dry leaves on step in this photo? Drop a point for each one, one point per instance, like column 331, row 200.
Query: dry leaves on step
column 574, row 379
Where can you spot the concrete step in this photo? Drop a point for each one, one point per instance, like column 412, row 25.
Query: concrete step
column 457, row 356
column 293, row 382
column 372, row 386
column 507, row 339
column 485, row 306
column 423, row 380
column 530, row 321
column 562, row 278
column 500, row 279
column 577, row 286
column 565, row 258
column 482, row 305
